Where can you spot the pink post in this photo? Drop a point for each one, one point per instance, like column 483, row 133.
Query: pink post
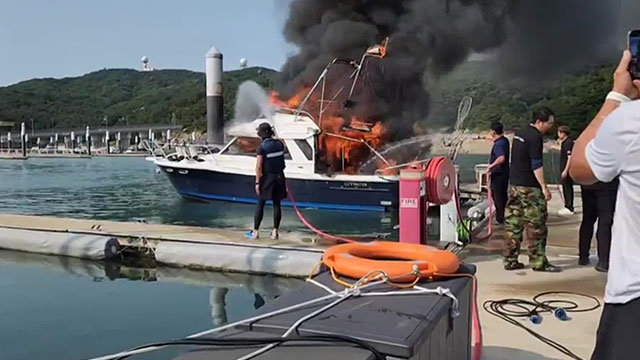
column 412, row 206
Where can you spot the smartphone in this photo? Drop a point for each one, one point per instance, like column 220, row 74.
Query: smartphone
column 634, row 47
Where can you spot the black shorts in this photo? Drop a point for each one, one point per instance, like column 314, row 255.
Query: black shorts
column 617, row 337
column 273, row 187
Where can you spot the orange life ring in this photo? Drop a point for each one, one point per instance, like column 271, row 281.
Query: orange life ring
column 356, row 260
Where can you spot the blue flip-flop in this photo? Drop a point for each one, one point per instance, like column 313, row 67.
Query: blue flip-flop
column 250, row 235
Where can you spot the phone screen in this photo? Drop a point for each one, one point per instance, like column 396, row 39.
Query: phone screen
column 634, row 47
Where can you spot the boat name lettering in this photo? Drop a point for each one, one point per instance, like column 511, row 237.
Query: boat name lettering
column 356, row 185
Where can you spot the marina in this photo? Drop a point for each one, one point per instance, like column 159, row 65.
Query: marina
column 357, row 189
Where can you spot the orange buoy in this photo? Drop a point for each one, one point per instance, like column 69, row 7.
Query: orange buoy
column 400, row 261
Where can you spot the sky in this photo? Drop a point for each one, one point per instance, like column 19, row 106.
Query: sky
column 46, row 38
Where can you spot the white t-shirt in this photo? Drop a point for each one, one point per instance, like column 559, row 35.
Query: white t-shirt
column 615, row 151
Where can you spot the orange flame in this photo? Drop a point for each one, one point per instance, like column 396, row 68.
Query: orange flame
column 346, row 140
column 343, row 141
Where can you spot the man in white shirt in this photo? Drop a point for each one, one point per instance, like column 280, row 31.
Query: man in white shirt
column 608, row 148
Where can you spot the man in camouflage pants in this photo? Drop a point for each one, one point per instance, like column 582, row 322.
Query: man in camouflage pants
column 528, row 196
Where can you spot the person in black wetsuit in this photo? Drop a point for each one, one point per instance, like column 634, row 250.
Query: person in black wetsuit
column 270, row 182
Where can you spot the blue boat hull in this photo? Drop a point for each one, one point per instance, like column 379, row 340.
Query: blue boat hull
column 210, row 185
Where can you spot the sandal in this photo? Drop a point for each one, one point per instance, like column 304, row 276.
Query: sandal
column 275, row 235
column 253, row 235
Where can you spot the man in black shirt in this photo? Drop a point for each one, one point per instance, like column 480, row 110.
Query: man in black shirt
column 528, row 196
column 567, row 184
column 499, row 170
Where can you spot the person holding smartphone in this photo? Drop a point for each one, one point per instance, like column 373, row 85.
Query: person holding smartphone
column 609, row 148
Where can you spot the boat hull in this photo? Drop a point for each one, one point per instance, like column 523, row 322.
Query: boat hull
column 209, row 185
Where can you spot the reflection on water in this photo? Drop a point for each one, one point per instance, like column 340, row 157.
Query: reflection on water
column 78, row 309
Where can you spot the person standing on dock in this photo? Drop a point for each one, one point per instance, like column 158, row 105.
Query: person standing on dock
column 598, row 203
column 270, row 183
column 567, row 184
column 499, row 169
column 527, row 204
column 609, row 148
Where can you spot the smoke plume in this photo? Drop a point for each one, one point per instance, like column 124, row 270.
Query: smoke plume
column 252, row 102
column 431, row 37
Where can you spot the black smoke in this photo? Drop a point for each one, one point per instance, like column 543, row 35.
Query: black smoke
column 429, row 38
column 548, row 37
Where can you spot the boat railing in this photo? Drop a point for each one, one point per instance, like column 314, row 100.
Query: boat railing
column 296, row 112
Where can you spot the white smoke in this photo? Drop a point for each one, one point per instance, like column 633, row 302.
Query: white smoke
column 252, row 102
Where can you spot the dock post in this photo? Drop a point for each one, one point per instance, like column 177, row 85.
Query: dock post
column 55, row 137
column 87, row 138
column 9, row 142
column 119, row 142
column 213, row 73
column 73, row 142
column 23, row 139
column 38, row 142
column 217, row 299
column 106, row 140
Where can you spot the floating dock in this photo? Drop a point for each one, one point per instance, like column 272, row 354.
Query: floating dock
column 183, row 246
column 10, row 156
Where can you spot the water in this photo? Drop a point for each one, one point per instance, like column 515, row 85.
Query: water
column 64, row 308
column 125, row 189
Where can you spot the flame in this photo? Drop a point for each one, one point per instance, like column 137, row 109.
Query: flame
column 346, row 140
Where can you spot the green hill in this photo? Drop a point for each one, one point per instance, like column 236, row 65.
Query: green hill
column 164, row 96
column 575, row 98
column 123, row 96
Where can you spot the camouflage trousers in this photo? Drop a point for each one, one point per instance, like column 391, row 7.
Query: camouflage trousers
column 526, row 212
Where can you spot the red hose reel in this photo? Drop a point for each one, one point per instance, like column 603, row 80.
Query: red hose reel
column 440, row 176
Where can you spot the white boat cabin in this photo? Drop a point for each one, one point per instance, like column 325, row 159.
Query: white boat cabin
column 299, row 134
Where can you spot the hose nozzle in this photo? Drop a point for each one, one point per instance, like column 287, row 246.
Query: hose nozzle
column 561, row 314
column 535, row 318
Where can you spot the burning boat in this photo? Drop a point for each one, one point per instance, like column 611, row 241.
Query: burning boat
column 323, row 152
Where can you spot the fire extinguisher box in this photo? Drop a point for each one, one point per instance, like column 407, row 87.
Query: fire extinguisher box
column 412, row 206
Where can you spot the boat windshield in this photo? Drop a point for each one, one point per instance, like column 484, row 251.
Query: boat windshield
column 247, row 146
